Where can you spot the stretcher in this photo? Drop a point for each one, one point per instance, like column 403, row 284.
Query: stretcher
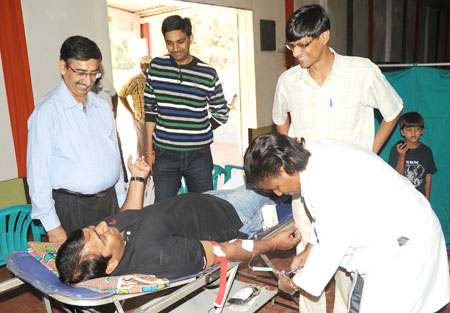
column 29, row 270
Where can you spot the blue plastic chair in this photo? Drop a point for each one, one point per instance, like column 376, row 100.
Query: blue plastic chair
column 217, row 172
column 228, row 169
column 15, row 222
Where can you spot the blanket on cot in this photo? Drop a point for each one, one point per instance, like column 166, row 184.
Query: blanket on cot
column 45, row 253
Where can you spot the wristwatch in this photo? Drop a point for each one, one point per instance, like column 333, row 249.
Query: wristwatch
column 142, row 180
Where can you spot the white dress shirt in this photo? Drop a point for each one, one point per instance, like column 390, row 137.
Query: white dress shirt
column 342, row 107
column 71, row 149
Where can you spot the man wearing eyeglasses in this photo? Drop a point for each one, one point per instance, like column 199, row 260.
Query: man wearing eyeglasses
column 74, row 170
column 329, row 96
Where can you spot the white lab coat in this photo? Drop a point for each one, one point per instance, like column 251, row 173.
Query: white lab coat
column 360, row 207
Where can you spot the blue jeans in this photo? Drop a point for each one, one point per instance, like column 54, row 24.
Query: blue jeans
column 170, row 166
column 247, row 204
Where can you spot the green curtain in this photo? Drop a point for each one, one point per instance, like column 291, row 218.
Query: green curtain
column 427, row 91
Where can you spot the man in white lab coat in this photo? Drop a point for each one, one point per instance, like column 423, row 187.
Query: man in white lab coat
column 367, row 218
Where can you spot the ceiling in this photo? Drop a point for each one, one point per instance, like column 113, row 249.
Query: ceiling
column 146, row 8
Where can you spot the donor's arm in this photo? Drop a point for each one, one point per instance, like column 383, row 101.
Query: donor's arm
column 140, row 171
column 239, row 250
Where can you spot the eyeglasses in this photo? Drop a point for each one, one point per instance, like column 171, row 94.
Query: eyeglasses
column 84, row 74
column 302, row 46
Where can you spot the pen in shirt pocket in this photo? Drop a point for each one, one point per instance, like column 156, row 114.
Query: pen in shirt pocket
column 331, row 102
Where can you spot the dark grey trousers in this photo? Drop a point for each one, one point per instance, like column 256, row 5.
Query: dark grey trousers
column 355, row 300
column 77, row 212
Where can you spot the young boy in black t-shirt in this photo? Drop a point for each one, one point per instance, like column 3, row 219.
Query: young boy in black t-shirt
column 412, row 158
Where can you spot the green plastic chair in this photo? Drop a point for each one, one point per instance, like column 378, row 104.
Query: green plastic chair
column 229, row 168
column 15, row 222
column 217, row 172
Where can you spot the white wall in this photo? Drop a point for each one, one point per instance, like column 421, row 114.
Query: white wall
column 8, row 168
column 125, row 24
column 268, row 65
column 48, row 23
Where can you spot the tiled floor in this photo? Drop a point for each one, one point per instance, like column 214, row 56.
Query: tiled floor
column 230, row 157
column 25, row 299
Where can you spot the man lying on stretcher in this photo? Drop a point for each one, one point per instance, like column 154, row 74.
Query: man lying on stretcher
column 171, row 239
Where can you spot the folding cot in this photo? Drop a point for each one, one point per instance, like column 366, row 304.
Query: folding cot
column 28, row 269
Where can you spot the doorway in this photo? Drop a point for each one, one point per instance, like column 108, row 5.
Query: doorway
column 223, row 38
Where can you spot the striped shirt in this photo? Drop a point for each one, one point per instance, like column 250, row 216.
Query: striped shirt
column 177, row 99
column 135, row 87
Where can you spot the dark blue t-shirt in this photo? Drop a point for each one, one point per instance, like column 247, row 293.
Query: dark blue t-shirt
column 418, row 163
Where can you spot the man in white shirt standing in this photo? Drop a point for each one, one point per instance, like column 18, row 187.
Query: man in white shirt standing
column 329, row 96
column 368, row 219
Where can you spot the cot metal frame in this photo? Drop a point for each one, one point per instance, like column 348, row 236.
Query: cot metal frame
column 87, row 304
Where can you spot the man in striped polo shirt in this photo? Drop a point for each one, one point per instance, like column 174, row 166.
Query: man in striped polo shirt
column 180, row 90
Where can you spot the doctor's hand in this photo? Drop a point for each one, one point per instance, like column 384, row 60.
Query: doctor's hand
column 57, row 234
column 288, row 239
column 298, row 261
column 286, row 284
column 139, row 168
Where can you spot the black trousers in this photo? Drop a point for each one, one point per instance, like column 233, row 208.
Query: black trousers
column 78, row 212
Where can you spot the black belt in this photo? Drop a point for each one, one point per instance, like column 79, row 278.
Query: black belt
column 79, row 194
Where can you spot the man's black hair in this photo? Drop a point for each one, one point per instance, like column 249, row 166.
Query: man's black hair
column 268, row 153
column 310, row 20
column 74, row 267
column 176, row 22
column 79, row 48
column 411, row 119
